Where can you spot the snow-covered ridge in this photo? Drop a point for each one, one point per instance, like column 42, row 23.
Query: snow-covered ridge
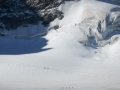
column 98, row 22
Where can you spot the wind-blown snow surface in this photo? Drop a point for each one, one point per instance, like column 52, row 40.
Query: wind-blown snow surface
column 58, row 60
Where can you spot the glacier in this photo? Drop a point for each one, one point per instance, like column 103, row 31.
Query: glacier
column 82, row 54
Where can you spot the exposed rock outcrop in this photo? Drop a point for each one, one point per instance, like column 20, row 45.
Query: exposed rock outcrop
column 16, row 13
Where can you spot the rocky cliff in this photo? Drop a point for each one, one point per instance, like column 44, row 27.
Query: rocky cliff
column 15, row 13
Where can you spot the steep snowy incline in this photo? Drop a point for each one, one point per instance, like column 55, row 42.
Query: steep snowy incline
column 68, row 57
column 99, row 25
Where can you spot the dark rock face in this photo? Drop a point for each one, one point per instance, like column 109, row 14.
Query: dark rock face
column 15, row 13
column 59, row 15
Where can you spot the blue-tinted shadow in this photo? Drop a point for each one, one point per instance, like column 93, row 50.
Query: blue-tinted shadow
column 111, row 2
column 12, row 46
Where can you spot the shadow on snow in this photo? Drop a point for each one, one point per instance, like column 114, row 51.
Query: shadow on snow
column 111, row 2
column 12, row 46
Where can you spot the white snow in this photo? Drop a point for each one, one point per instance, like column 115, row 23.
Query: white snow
column 58, row 61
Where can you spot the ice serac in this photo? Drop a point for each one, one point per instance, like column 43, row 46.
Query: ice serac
column 101, row 27
column 97, row 20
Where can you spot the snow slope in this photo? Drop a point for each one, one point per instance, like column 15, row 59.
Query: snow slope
column 69, row 57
